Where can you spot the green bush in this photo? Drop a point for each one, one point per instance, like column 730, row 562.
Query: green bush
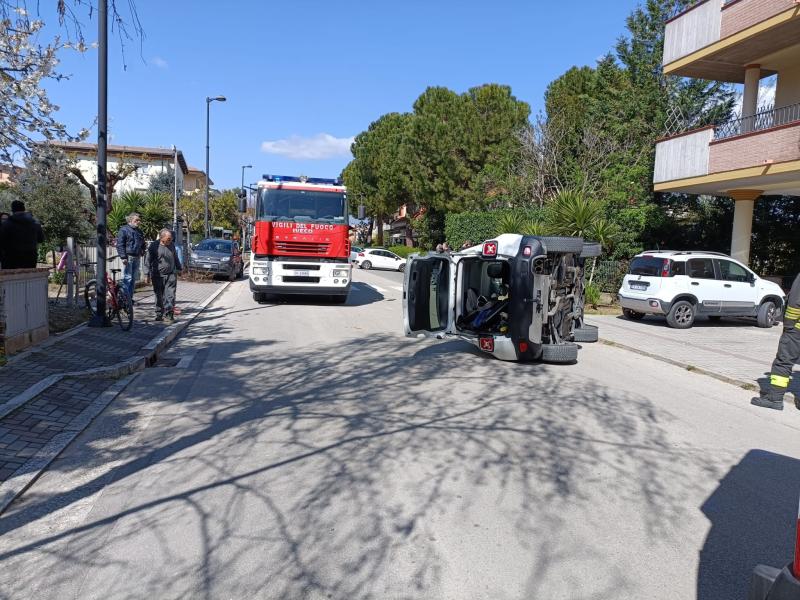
column 403, row 251
column 479, row 226
column 59, row 277
column 592, row 295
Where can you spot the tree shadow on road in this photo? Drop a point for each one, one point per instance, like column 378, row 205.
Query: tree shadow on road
column 349, row 459
column 748, row 526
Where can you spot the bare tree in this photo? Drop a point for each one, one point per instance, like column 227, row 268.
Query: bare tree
column 123, row 171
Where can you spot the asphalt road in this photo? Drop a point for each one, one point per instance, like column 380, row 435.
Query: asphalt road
column 309, row 451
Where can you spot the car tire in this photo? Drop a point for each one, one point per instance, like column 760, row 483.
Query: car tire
column 591, row 250
column 632, row 314
column 401, row 267
column 560, row 354
column 366, row 265
column 258, row 297
column 681, row 315
column 767, row 314
column 562, row 245
column 586, row 334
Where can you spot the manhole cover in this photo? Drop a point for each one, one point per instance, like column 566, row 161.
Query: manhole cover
column 167, row 362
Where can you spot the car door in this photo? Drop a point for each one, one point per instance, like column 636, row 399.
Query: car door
column 740, row 294
column 383, row 259
column 704, row 285
column 394, row 260
column 429, row 296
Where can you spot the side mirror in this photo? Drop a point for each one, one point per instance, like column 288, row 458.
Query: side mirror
column 242, row 202
column 362, row 212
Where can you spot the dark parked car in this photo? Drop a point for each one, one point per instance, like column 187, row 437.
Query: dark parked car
column 217, row 256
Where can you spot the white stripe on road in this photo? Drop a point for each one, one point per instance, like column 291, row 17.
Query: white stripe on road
column 376, row 288
column 398, row 288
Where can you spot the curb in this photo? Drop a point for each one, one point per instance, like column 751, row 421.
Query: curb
column 747, row 385
column 115, row 371
column 28, row 473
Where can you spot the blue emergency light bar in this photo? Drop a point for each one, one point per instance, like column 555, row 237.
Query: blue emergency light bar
column 290, row 178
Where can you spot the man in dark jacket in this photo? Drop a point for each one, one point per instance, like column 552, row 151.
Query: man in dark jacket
column 788, row 353
column 20, row 235
column 130, row 248
column 163, row 265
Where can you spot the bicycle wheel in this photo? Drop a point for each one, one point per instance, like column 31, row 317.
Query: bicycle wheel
column 124, row 311
column 90, row 295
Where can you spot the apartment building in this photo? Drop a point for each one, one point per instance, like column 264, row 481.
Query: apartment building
column 150, row 162
column 757, row 153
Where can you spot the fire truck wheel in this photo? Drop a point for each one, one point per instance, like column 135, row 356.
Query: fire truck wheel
column 366, row 265
column 259, row 297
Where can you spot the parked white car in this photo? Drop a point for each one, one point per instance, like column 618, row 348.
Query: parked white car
column 354, row 250
column 376, row 258
column 683, row 285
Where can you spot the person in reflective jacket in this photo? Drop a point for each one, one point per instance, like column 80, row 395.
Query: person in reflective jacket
column 788, row 353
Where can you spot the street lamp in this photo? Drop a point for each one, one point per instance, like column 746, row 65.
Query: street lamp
column 243, row 168
column 208, row 175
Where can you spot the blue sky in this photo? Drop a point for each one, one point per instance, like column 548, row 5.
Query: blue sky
column 303, row 77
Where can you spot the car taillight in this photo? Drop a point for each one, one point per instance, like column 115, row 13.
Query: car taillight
column 361, row 254
column 665, row 268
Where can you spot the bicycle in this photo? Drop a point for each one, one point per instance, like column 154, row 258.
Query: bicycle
column 118, row 304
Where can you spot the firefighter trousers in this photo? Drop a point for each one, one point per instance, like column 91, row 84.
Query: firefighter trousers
column 789, row 346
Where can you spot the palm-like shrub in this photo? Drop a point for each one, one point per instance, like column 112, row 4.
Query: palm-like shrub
column 510, row 222
column 124, row 205
column 573, row 214
column 156, row 214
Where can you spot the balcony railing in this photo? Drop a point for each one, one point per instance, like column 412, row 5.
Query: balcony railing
column 765, row 119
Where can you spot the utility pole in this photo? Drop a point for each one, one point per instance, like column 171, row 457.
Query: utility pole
column 100, row 319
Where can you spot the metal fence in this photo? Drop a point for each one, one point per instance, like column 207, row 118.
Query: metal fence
column 87, row 264
column 608, row 274
column 764, row 119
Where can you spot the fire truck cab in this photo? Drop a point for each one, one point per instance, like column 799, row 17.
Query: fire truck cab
column 301, row 239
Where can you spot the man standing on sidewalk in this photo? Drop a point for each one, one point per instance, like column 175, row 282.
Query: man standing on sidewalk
column 788, row 353
column 20, row 235
column 162, row 266
column 130, row 248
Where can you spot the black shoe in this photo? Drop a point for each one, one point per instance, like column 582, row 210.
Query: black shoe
column 767, row 402
column 159, row 318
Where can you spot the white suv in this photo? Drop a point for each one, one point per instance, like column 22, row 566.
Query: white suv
column 683, row 285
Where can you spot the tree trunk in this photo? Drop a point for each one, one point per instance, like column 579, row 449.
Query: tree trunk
column 409, row 236
column 379, row 222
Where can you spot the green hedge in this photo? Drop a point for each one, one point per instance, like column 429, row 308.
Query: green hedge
column 403, row 251
column 479, row 226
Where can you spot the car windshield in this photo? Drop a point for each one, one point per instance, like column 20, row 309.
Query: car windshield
column 301, row 206
column 214, row 246
column 646, row 265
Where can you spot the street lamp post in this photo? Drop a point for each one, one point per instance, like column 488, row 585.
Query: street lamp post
column 100, row 319
column 243, row 168
column 208, row 175
column 244, row 227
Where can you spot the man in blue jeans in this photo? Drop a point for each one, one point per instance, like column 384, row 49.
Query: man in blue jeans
column 130, row 248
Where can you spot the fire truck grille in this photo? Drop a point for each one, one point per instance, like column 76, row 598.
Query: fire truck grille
column 301, row 279
column 304, row 248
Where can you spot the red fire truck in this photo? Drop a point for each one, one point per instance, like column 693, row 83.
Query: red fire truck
column 301, row 241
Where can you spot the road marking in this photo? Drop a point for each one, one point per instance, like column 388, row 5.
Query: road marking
column 398, row 288
column 376, row 288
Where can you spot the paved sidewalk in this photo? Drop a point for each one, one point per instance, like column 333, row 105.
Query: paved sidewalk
column 733, row 350
column 50, row 393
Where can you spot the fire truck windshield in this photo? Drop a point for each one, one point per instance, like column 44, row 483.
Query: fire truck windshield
column 301, row 206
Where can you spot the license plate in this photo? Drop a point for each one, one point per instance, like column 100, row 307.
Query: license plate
column 301, row 273
column 205, row 266
column 638, row 286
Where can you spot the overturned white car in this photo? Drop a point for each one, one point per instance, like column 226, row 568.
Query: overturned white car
column 515, row 297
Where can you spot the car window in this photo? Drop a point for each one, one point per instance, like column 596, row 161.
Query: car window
column 647, row 265
column 701, row 268
column 678, row 268
column 730, row 271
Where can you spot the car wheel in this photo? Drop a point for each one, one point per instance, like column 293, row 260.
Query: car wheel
column 767, row 314
column 366, row 265
column 591, row 250
column 681, row 315
column 562, row 245
column 587, row 334
column 560, row 354
column 401, row 267
column 632, row 314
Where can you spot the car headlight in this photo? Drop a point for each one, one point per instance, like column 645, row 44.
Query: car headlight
column 260, row 270
column 225, row 259
column 340, row 273
column 194, row 256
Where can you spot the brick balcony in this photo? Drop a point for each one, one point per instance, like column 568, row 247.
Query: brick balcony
column 716, row 40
